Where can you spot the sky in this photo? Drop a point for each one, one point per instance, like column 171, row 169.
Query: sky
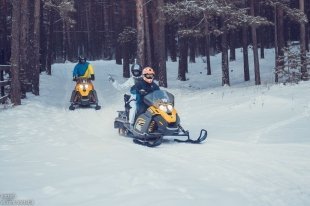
column 257, row 151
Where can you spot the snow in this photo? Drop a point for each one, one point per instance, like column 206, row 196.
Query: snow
column 257, row 151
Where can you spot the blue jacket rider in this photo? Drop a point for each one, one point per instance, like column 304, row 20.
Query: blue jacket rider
column 83, row 69
column 144, row 87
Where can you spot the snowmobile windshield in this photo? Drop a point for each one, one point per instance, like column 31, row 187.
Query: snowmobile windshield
column 159, row 97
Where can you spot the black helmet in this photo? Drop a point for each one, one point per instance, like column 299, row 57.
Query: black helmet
column 82, row 59
column 136, row 70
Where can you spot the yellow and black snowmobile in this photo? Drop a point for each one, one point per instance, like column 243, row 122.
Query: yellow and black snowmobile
column 84, row 94
column 158, row 123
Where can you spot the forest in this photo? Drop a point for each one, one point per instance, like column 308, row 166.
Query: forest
column 34, row 34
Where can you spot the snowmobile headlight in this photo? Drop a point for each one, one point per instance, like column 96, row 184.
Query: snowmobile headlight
column 84, row 86
column 163, row 108
column 169, row 108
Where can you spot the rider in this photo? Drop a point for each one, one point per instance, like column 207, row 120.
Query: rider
column 85, row 70
column 144, row 87
column 136, row 71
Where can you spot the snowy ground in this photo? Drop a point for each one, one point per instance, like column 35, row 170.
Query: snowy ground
column 257, row 152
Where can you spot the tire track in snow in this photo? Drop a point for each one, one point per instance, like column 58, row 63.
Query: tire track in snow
column 257, row 135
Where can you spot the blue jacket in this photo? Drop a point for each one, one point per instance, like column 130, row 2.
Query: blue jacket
column 83, row 70
column 148, row 88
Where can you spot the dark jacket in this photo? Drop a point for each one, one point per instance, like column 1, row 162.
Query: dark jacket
column 140, row 89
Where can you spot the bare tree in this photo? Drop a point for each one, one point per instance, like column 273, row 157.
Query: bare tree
column 148, row 36
column 255, row 48
column 49, row 41
column 162, row 72
column 107, row 29
column 15, row 51
column 280, row 37
column 183, row 54
column 4, row 33
column 225, row 62
column 25, row 50
column 303, row 43
column 207, row 44
column 140, row 33
column 245, row 53
column 36, row 46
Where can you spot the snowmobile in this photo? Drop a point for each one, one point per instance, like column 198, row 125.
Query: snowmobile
column 159, row 123
column 84, row 94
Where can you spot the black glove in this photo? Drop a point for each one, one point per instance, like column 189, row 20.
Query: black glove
column 74, row 79
column 92, row 77
column 126, row 97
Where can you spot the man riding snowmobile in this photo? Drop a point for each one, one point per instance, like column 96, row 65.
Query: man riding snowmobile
column 156, row 117
column 142, row 88
column 84, row 93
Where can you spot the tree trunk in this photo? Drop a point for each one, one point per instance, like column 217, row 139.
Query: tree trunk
column 118, row 27
column 69, row 44
column 262, row 31
column 88, row 27
column 64, row 40
column 24, row 65
column 276, row 78
column 15, row 49
column 126, row 69
column 107, row 36
column 125, row 47
column 232, row 46
column 192, row 48
column 140, row 33
column 171, row 43
column 207, row 44
column 307, row 37
column 4, row 43
column 162, row 72
column 49, row 42
column 43, row 38
column 149, row 59
column 255, row 48
column 225, row 65
column 155, row 35
column 36, row 46
column 183, row 48
column 262, row 42
column 245, row 53
column 304, row 74
column 280, row 37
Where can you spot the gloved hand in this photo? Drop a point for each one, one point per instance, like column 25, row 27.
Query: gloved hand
column 126, row 97
column 74, row 79
column 110, row 78
column 92, row 77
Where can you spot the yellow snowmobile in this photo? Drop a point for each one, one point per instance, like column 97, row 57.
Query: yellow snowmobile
column 160, row 121
column 84, row 94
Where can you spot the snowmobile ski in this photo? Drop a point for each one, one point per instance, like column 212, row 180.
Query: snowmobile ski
column 149, row 143
column 203, row 135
